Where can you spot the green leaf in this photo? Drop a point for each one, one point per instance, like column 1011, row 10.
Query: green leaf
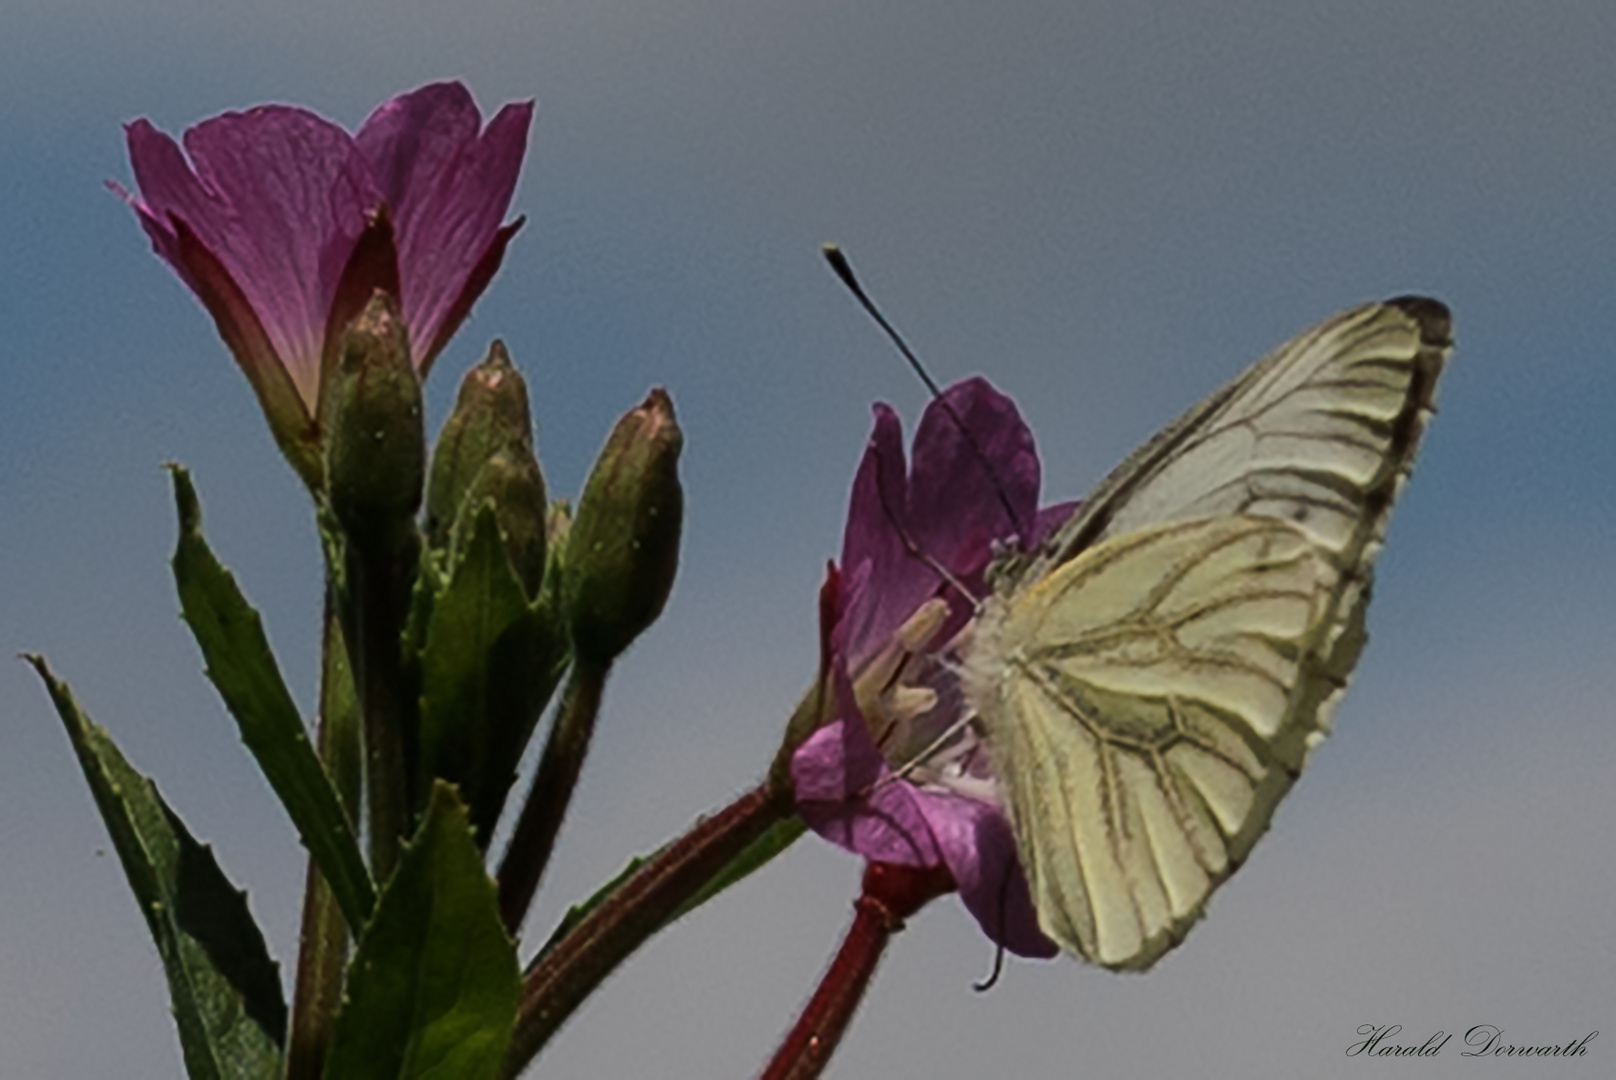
column 757, row 854
column 778, row 837
column 489, row 664
column 577, row 912
column 243, row 668
column 225, row 989
column 432, row 991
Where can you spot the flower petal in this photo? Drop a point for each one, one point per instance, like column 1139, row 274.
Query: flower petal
column 461, row 305
column 882, row 582
column 975, row 476
column 1051, row 518
column 835, row 774
column 914, row 534
column 980, row 850
column 845, row 792
column 963, row 492
column 372, row 267
column 449, row 188
column 279, row 195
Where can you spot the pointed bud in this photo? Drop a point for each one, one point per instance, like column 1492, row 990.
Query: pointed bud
column 375, row 445
column 511, row 480
column 490, row 414
column 624, row 544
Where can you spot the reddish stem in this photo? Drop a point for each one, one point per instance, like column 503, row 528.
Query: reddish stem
column 560, row 980
column 891, row 894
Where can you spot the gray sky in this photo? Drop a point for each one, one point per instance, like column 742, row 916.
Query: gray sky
column 1108, row 210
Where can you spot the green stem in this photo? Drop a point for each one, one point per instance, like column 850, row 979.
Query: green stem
column 565, row 975
column 323, row 945
column 322, row 951
column 380, row 581
column 540, row 821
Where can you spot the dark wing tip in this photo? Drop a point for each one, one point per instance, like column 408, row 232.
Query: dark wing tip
column 1436, row 321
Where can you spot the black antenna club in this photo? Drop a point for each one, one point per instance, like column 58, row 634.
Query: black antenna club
column 844, row 270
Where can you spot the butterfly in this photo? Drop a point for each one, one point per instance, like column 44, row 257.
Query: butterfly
column 1150, row 681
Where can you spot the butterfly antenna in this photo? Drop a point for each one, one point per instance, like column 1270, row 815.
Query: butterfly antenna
column 844, row 271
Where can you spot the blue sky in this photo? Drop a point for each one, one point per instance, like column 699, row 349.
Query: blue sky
column 1108, row 209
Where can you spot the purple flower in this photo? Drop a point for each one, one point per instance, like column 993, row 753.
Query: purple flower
column 913, row 555
column 283, row 224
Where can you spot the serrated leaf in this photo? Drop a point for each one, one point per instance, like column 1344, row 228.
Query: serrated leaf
column 225, row 989
column 242, row 667
column 490, row 662
column 432, row 990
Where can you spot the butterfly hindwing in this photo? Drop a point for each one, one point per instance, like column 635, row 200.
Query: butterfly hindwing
column 1140, row 703
column 1150, row 681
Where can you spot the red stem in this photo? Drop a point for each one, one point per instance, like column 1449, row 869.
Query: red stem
column 890, row 895
column 559, row 981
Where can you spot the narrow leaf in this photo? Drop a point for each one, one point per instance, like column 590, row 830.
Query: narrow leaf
column 243, row 668
column 432, row 990
column 779, row 836
column 225, row 989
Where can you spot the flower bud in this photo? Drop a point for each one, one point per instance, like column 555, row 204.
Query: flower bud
column 490, row 414
column 512, row 481
column 375, row 445
column 623, row 548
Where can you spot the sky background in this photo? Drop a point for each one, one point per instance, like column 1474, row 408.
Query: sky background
column 1108, row 209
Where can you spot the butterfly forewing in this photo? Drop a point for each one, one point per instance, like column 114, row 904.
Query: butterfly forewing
column 1316, row 432
column 1150, row 682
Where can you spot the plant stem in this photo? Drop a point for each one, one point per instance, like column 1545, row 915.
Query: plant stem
column 380, row 580
column 557, row 775
column 890, row 894
column 565, row 975
column 323, row 945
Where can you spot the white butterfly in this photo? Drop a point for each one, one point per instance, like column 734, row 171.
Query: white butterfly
column 1149, row 682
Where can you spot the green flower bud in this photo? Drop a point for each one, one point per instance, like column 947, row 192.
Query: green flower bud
column 375, row 444
column 490, row 414
column 512, row 481
column 623, row 548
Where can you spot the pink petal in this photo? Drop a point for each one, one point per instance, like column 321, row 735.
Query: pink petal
column 449, row 189
column 980, row 850
column 883, row 582
column 1051, row 518
column 470, row 290
column 278, row 195
column 299, row 195
column 835, row 773
column 975, row 475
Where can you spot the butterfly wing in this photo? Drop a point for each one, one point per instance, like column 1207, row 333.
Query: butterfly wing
column 1150, row 681
column 1142, row 707
column 1320, row 432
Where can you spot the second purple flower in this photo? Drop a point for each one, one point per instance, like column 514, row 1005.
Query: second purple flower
column 917, row 542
